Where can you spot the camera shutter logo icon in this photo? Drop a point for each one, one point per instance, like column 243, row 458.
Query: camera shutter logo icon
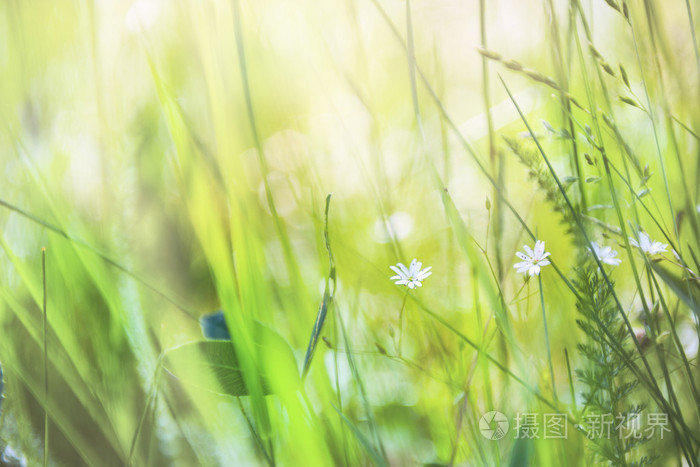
column 493, row 425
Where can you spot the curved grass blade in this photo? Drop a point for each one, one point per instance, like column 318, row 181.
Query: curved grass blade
column 687, row 290
column 327, row 299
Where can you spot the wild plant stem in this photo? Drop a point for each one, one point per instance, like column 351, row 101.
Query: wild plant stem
column 546, row 340
column 403, row 305
column 571, row 381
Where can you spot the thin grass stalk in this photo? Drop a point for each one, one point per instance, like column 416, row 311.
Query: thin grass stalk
column 411, row 54
column 403, row 305
column 571, row 381
column 483, row 328
column 46, row 361
column 546, row 340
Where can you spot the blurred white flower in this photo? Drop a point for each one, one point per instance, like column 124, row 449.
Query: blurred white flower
column 532, row 260
column 606, row 254
column 412, row 276
column 689, row 339
column 647, row 246
column 399, row 225
column 142, row 15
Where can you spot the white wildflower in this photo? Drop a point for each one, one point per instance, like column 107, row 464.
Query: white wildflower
column 532, row 260
column 647, row 246
column 411, row 276
column 606, row 254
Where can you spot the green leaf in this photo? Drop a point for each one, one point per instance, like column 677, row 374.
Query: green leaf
column 213, row 365
column 190, row 362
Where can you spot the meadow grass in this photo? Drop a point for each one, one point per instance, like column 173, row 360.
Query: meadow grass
column 202, row 202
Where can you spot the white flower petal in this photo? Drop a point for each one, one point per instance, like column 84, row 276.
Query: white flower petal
column 423, row 274
column 529, row 251
column 523, row 256
column 659, row 247
column 539, row 248
column 544, row 262
column 397, row 270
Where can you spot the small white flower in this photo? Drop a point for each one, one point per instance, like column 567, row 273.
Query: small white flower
column 647, row 246
column 606, row 254
column 532, row 261
column 412, row 276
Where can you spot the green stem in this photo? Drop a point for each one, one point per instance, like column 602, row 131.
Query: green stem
column 546, row 340
column 403, row 305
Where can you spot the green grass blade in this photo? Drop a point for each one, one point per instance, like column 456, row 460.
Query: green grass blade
column 327, row 297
